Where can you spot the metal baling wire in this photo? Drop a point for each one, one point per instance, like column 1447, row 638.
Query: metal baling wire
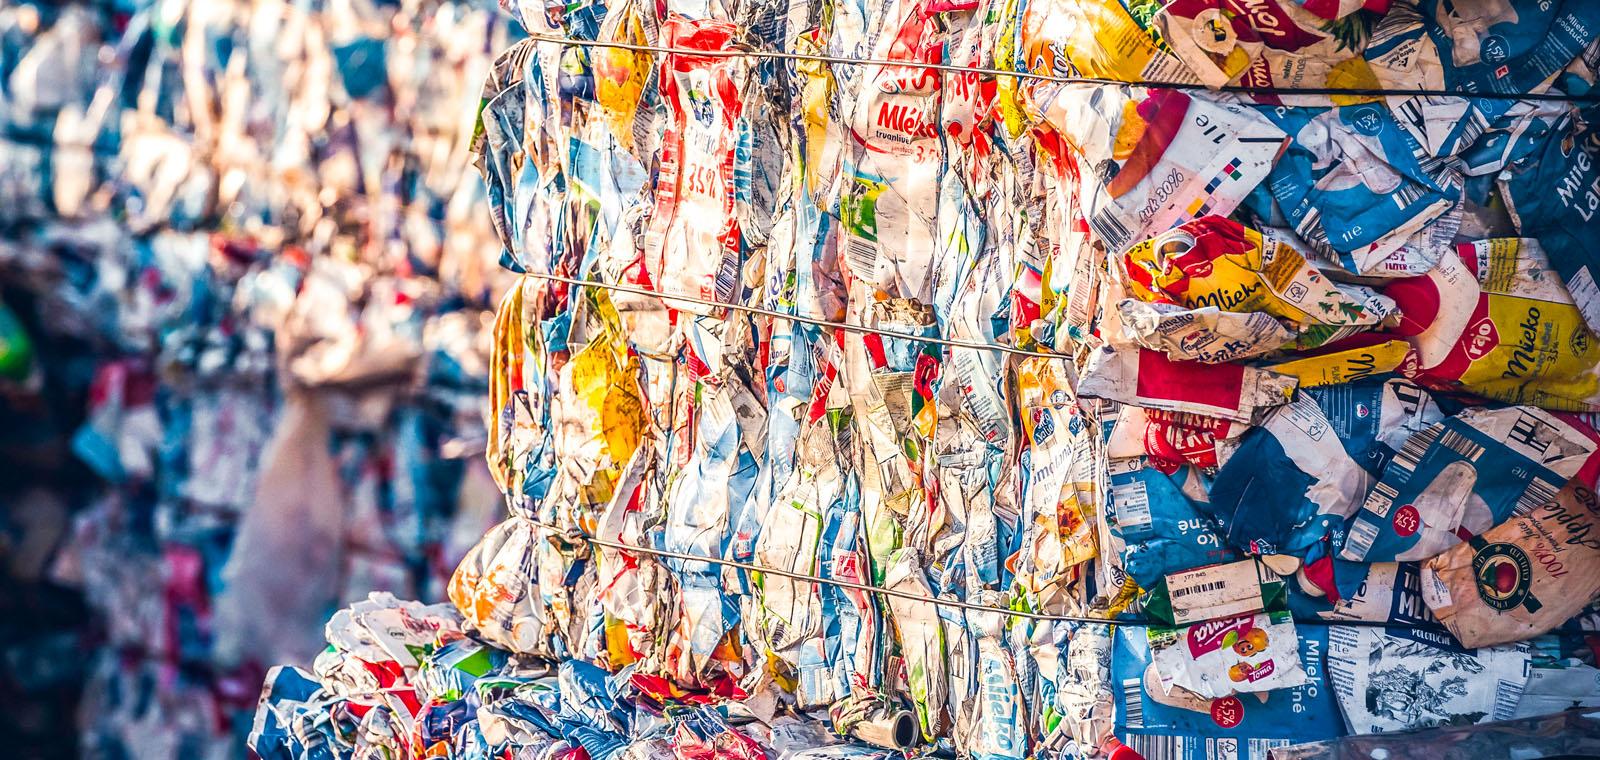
column 1241, row 89
column 936, row 601
column 861, row 329
column 847, row 584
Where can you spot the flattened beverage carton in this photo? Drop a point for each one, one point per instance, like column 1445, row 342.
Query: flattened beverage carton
column 1552, row 189
column 1155, row 159
column 1462, row 477
column 1181, row 725
column 1156, row 525
column 1216, row 591
column 1522, row 578
column 1382, row 592
column 1216, row 658
column 1356, row 184
column 1560, row 676
column 1494, row 319
column 1290, row 485
column 1149, row 379
column 1216, row 262
column 1401, row 678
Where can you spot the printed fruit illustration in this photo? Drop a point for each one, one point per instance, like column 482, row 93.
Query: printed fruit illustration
column 1244, row 671
column 1250, row 642
column 1500, row 576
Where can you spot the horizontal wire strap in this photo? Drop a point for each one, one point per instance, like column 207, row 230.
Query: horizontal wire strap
column 861, row 329
column 866, row 330
column 954, row 69
column 936, row 601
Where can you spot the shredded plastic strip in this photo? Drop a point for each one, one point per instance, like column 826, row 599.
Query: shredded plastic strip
column 950, row 68
column 862, row 329
column 936, row 601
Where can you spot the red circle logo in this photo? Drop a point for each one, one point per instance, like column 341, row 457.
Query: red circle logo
column 1407, row 521
column 1228, row 712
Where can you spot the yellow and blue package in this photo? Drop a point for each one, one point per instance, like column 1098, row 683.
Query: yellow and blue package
column 1061, row 493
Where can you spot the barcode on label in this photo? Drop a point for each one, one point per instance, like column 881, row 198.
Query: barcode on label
column 1381, row 499
column 1160, row 747
column 1108, row 227
column 1410, row 111
column 1415, row 446
column 1199, row 588
column 1406, row 195
column 1474, row 128
column 1537, row 494
column 1507, row 694
column 1460, row 444
column 1132, row 703
column 1438, row 170
column 862, row 255
column 1310, row 228
column 727, row 278
column 1360, row 539
column 1131, row 505
column 1585, row 293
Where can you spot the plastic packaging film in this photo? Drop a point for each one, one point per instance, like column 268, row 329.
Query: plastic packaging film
column 884, row 407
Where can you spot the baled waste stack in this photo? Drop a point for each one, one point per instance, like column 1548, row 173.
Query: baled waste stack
column 852, row 409
column 246, row 236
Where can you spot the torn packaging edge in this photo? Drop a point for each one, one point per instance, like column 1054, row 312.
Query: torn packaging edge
column 573, row 537
column 950, row 68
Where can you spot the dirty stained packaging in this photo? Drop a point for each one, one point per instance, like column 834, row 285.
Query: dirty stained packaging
column 1215, row 658
column 1392, row 680
column 1535, row 568
column 1186, row 726
column 1522, row 340
column 1327, row 446
column 1260, row 312
column 1462, row 476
